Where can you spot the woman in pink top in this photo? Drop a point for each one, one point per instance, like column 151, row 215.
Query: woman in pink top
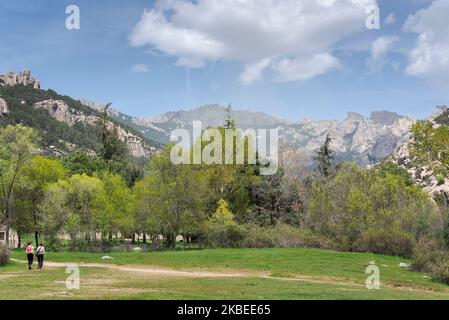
column 30, row 254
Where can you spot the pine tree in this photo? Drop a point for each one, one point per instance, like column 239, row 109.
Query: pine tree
column 325, row 156
column 229, row 122
column 112, row 147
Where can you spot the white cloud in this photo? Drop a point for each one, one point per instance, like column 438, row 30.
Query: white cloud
column 305, row 68
column 255, row 33
column 253, row 71
column 429, row 59
column 391, row 19
column 140, row 68
column 379, row 50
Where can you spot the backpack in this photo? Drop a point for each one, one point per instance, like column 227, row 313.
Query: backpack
column 39, row 251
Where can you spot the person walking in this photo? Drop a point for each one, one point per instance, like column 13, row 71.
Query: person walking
column 40, row 253
column 30, row 254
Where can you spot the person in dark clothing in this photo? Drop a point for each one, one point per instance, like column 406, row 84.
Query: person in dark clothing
column 40, row 253
column 30, row 254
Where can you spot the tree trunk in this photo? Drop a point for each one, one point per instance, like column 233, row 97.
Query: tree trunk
column 7, row 236
column 173, row 244
column 144, row 238
column 154, row 242
column 36, row 237
column 19, row 241
column 7, row 224
column 133, row 238
column 73, row 240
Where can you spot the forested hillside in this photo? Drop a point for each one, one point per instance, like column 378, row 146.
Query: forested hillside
column 58, row 137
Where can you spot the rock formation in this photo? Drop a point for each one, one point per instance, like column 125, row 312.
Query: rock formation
column 23, row 78
column 4, row 109
column 423, row 176
column 59, row 110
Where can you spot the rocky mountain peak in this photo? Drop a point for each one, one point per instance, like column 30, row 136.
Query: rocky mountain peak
column 354, row 116
column 385, row 117
column 22, row 78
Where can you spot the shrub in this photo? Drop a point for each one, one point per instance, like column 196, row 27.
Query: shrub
column 230, row 236
column 282, row 236
column 4, row 255
column 221, row 229
column 440, row 179
column 431, row 256
column 258, row 237
column 428, row 254
column 386, row 241
column 441, row 271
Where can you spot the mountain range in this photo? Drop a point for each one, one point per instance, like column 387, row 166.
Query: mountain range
column 68, row 124
column 364, row 140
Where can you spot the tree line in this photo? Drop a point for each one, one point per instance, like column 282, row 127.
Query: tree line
column 308, row 202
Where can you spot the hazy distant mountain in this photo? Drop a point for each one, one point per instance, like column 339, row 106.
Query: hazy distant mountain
column 365, row 140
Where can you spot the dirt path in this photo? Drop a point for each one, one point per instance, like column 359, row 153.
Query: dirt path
column 151, row 270
column 166, row 272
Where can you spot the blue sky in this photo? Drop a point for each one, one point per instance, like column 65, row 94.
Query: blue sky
column 192, row 54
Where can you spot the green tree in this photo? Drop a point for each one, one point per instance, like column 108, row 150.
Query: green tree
column 221, row 228
column 55, row 210
column 83, row 163
column 72, row 226
column 230, row 122
column 271, row 199
column 179, row 194
column 83, row 193
column 16, row 146
column 430, row 145
column 148, row 217
column 72, row 205
column 324, row 157
column 395, row 170
column 114, row 206
column 233, row 181
column 361, row 208
column 35, row 177
column 113, row 149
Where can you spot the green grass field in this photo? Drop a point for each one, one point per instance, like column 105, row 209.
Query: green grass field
column 218, row 274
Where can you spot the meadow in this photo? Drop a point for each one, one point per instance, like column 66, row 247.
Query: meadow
column 293, row 274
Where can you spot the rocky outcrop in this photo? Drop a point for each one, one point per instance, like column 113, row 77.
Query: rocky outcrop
column 423, row 176
column 59, row 110
column 4, row 109
column 432, row 183
column 23, row 78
